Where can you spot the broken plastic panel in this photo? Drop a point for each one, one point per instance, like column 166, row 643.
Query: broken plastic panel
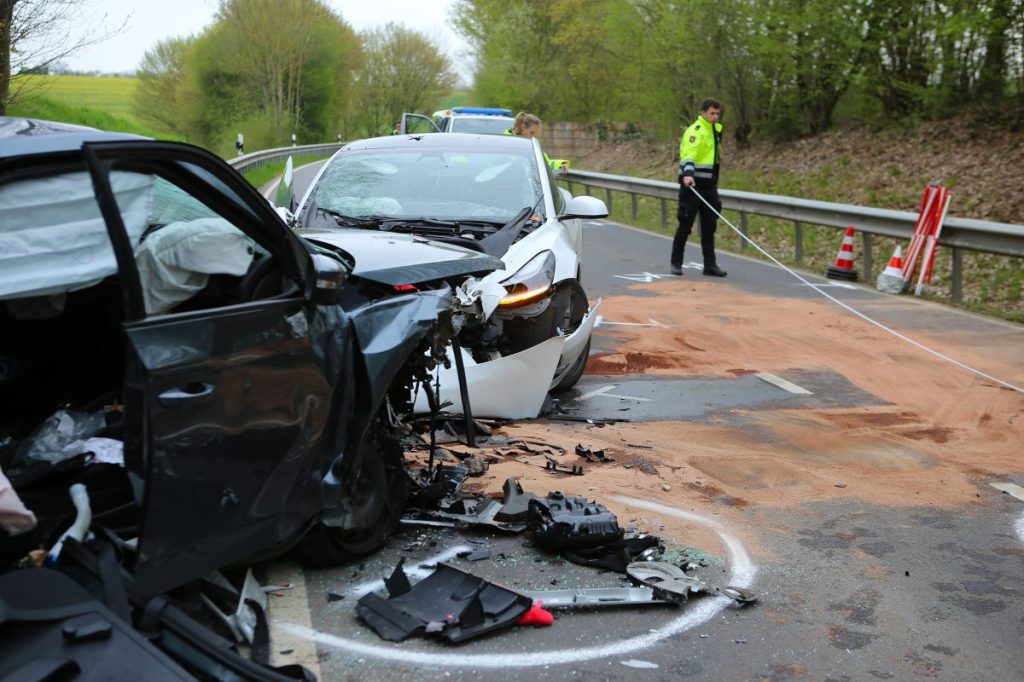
column 576, row 342
column 668, row 581
column 450, row 603
column 244, row 620
column 560, row 521
column 599, row 597
column 511, row 387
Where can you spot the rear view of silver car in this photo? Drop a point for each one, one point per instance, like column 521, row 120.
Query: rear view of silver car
column 527, row 328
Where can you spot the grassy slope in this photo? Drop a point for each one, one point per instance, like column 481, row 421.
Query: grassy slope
column 880, row 168
column 96, row 101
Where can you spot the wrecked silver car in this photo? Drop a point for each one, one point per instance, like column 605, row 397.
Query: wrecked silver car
column 234, row 383
column 527, row 325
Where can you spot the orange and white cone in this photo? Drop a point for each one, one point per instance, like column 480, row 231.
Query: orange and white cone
column 843, row 268
column 890, row 280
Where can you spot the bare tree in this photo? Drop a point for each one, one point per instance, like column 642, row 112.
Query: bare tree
column 37, row 34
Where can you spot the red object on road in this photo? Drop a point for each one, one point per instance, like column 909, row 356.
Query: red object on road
column 537, row 615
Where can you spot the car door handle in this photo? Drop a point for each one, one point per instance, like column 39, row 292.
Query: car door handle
column 189, row 394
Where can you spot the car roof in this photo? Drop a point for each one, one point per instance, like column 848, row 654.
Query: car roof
column 27, row 136
column 445, row 142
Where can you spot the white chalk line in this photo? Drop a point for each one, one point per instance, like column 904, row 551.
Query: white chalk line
column 1011, row 489
column 856, row 312
column 701, row 611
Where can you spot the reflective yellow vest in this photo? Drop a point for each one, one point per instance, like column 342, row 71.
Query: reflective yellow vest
column 699, row 150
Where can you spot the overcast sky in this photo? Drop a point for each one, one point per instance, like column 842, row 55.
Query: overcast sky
column 149, row 22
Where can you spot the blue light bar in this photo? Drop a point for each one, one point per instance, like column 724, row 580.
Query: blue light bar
column 486, row 111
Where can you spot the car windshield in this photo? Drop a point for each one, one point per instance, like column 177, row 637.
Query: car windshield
column 484, row 185
column 487, row 125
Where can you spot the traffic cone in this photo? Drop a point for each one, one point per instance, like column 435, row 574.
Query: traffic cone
column 843, row 269
column 890, row 280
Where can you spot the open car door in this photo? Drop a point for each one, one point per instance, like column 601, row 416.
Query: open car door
column 416, row 124
column 227, row 400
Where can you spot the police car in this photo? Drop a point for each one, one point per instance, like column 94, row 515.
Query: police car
column 474, row 120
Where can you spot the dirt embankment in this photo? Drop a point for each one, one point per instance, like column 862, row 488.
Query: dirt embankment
column 882, row 168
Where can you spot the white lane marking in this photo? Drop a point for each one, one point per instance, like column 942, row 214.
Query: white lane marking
column 290, row 605
column 834, row 285
column 1019, row 527
column 604, row 392
column 416, row 571
column 588, row 396
column 1011, row 489
column 782, row 383
column 626, row 397
column 701, row 611
column 651, row 322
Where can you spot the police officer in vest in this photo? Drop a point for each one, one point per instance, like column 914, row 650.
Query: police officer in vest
column 699, row 153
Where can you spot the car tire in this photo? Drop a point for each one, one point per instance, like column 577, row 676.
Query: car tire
column 570, row 304
column 573, row 375
column 378, row 498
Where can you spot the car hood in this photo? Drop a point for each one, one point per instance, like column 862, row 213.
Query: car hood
column 393, row 258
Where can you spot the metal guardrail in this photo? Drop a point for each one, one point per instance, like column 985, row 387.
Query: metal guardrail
column 262, row 158
column 958, row 234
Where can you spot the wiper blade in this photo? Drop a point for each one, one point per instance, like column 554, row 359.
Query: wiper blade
column 392, row 223
column 351, row 220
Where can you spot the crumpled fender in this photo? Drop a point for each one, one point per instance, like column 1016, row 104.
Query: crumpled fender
column 388, row 332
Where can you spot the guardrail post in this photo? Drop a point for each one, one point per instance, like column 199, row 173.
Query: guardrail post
column 632, row 201
column 608, row 196
column 798, row 241
column 956, row 276
column 664, row 213
column 868, row 262
column 743, row 230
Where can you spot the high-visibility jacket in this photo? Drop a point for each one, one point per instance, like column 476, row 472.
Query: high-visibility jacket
column 699, row 150
column 553, row 164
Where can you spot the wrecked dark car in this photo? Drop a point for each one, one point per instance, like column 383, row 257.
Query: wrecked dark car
column 224, row 389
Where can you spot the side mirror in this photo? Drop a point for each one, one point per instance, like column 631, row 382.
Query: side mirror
column 584, row 207
column 325, row 280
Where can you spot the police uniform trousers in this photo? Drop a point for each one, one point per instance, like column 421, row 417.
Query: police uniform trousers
column 689, row 207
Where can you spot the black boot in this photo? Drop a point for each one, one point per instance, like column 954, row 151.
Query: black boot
column 714, row 271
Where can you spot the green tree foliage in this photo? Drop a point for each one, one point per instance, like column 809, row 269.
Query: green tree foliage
column 267, row 68
column 782, row 67
column 402, row 71
column 156, row 99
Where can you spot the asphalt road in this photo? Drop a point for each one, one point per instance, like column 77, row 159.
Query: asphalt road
column 947, row 606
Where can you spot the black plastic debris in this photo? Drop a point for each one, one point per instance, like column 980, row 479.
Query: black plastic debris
column 668, row 580
column 559, row 522
column 475, row 555
column 553, row 466
column 592, row 455
column 616, row 555
column 449, row 603
column 515, row 503
column 334, row 596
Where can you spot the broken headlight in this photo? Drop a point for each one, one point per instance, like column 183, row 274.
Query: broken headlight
column 530, row 282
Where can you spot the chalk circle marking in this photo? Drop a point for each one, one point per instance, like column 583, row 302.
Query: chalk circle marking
column 742, row 575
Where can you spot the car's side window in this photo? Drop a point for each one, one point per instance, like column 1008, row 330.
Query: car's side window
column 190, row 257
column 556, row 196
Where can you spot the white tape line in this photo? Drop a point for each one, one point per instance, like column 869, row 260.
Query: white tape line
column 782, row 383
column 1011, row 489
column 414, row 571
column 1019, row 527
column 627, row 397
column 833, row 285
column 696, row 613
column 856, row 312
